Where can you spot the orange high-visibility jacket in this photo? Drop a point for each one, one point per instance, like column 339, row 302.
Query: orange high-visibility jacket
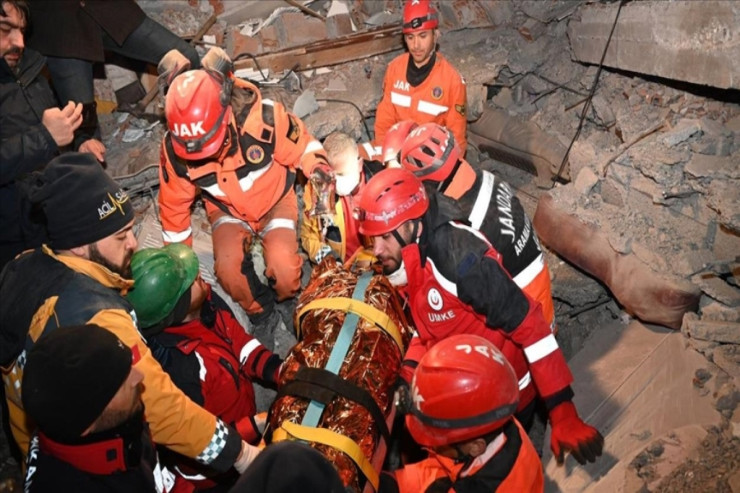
column 439, row 99
column 271, row 145
column 509, row 465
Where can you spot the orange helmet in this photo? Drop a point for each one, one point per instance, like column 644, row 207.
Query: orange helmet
column 198, row 113
column 430, row 152
column 391, row 197
column 419, row 15
column 463, row 388
column 395, row 138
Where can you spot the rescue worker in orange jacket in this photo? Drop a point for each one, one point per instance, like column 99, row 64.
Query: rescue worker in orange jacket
column 337, row 233
column 480, row 443
column 422, row 85
column 455, row 283
column 432, row 154
column 241, row 152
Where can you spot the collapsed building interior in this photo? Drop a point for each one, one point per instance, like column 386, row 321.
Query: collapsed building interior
column 618, row 126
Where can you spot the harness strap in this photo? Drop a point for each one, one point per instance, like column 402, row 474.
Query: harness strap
column 364, row 310
column 335, row 440
column 323, row 386
column 341, row 346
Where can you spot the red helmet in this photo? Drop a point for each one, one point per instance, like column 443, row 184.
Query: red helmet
column 430, row 152
column 418, row 15
column 198, row 114
column 462, row 389
column 391, row 197
column 395, row 138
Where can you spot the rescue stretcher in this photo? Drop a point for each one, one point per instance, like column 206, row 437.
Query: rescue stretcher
column 336, row 387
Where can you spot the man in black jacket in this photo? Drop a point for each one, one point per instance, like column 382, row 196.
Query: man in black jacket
column 75, row 34
column 33, row 129
column 83, row 390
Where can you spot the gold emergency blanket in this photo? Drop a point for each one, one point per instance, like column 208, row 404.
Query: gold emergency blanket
column 373, row 360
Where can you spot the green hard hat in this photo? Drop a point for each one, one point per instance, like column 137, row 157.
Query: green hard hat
column 161, row 277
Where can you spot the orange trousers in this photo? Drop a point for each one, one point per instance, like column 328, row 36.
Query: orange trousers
column 234, row 269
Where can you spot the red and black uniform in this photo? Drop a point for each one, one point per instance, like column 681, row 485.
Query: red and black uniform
column 492, row 208
column 213, row 361
column 247, row 193
column 439, row 97
column 510, row 464
column 456, row 284
column 121, row 460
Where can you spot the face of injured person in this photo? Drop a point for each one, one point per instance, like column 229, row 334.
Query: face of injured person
column 387, row 249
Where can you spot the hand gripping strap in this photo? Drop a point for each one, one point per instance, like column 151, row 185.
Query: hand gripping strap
column 335, row 440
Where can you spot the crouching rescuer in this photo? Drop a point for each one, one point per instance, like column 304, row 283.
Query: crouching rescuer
column 196, row 338
column 241, row 152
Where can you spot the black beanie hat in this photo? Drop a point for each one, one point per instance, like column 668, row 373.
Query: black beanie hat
column 70, row 376
column 81, row 202
column 289, row 466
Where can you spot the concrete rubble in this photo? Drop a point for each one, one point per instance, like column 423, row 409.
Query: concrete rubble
column 655, row 170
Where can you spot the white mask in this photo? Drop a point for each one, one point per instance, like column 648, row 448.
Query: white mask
column 398, row 277
column 346, row 184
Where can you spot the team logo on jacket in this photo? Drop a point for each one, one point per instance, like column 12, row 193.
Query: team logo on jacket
column 255, row 154
column 437, row 92
column 434, row 298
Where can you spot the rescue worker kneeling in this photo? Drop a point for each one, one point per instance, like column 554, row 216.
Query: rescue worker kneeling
column 463, row 397
column 241, row 152
column 195, row 337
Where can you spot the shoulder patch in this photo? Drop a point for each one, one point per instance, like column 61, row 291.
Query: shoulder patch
column 294, row 130
column 460, row 109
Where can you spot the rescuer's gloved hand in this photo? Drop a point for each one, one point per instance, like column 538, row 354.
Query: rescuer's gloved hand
column 570, row 433
column 172, row 64
column 322, row 174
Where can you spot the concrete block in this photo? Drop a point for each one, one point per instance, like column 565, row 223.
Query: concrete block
column 462, row 13
column 586, row 181
column 689, row 41
column 711, row 330
column 702, row 166
column 296, row 29
column 237, row 44
column 270, row 38
column 681, row 132
column 338, row 25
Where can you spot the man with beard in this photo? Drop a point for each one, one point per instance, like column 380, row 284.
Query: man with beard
column 81, row 387
column 80, row 277
column 454, row 282
column 33, row 129
column 422, row 85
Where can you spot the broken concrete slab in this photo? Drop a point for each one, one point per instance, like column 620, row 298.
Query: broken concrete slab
column 681, row 132
column 628, row 378
column 711, row 330
column 688, row 41
column 704, row 166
